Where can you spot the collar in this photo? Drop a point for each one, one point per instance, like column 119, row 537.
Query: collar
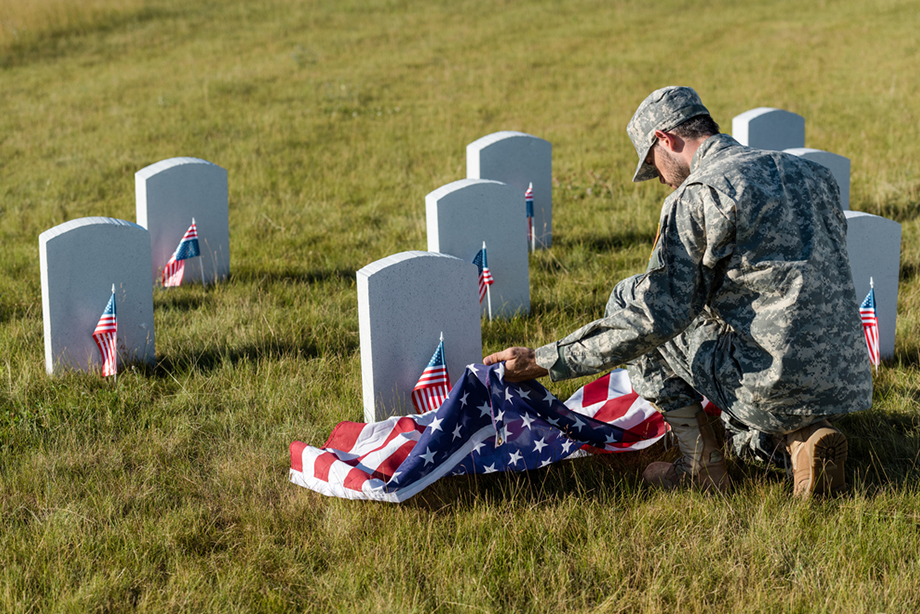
column 711, row 147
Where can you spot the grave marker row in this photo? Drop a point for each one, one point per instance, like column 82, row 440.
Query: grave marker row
column 523, row 161
column 81, row 259
column 405, row 300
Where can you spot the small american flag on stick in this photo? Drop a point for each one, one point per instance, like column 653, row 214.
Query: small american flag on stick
column 105, row 335
column 869, row 317
column 175, row 267
column 434, row 384
column 485, row 275
column 528, row 200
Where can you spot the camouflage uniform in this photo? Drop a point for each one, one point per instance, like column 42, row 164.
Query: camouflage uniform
column 748, row 299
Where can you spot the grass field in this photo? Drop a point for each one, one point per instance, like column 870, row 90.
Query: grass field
column 168, row 491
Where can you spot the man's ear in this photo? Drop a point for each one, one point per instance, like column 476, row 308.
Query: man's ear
column 671, row 142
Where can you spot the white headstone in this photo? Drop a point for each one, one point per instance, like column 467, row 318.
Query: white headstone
column 839, row 167
column 518, row 159
column 172, row 192
column 80, row 260
column 405, row 302
column 874, row 248
column 766, row 128
column 463, row 214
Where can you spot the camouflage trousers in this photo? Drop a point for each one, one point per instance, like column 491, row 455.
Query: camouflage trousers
column 681, row 372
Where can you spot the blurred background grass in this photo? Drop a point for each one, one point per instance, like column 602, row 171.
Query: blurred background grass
column 168, row 491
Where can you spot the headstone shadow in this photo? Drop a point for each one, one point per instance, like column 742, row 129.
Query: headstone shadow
column 214, row 358
column 249, row 275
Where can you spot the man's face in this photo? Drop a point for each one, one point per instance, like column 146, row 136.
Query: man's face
column 672, row 170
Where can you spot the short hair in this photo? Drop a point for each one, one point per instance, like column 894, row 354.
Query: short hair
column 696, row 127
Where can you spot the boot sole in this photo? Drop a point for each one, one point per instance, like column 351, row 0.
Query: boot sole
column 826, row 471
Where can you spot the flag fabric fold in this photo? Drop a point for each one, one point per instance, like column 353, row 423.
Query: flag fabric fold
column 869, row 316
column 486, row 425
column 105, row 335
column 175, row 266
column 434, row 384
column 485, row 275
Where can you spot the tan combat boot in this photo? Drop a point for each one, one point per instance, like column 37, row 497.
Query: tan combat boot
column 701, row 465
column 818, row 454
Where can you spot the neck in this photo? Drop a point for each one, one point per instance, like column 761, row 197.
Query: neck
column 690, row 147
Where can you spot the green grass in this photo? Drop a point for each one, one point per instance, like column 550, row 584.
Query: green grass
column 168, row 491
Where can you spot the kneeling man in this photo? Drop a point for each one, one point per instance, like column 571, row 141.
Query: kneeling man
column 748, row 299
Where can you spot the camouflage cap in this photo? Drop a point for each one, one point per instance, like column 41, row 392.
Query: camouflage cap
column 664, row 110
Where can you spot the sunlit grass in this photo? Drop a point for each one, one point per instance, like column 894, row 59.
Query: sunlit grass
column 24, row 22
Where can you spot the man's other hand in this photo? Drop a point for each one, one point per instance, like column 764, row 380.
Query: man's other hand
column 520, row 364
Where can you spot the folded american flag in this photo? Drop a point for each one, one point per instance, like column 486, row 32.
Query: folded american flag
column 486, row 425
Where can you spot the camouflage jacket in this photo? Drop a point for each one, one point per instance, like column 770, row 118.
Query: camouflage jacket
column 756, row 240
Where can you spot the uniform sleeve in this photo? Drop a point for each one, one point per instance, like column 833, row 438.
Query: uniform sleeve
column 696, row 238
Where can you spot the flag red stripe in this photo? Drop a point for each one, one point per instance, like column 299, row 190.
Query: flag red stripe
column 344, row 435
column 350, row 436
column 322, row 464
column 616, row 408
column 597, row 391
column 385, row 469
column 297, row 449
column 355, row 479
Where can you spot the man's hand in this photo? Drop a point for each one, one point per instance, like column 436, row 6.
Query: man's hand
column 520, row 364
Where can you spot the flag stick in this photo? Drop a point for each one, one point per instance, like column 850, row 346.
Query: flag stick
column 530, row 216
column 115, row 357
column 488, row 288
column 200, row 260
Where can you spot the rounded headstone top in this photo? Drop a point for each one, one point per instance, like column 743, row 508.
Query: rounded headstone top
column 461, row 184
column 753, row 113
column 82, row 222
column 802, row 151
column 162, row 165
column 384, row 263
column 489, row 139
